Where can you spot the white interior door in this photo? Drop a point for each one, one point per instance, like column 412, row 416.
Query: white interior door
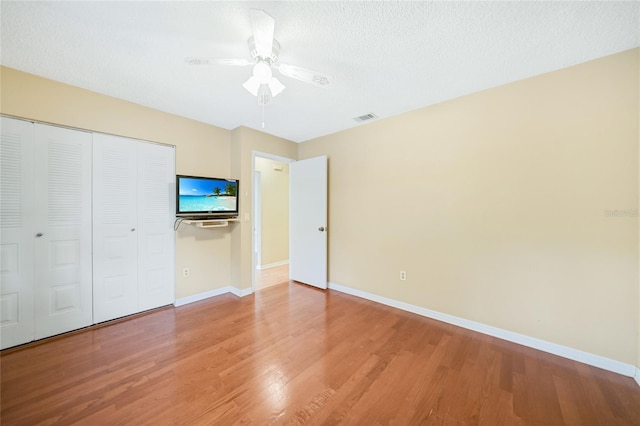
column 63, row 289
column 16, row 236
column 156, row 215
column 308, row 221
column 115, row 237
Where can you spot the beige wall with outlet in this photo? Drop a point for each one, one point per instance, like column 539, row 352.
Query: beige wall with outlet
column 274, row 176
column 507, row 207
column 201, row 149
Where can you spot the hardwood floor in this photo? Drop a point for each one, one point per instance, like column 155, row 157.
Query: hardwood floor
column 293, row 355
column 272, row 276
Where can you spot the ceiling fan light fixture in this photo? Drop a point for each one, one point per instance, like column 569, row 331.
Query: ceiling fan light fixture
column 262, row 71
column 263, row 91
column 252, row 85
column 276, row 87
column 264, row 94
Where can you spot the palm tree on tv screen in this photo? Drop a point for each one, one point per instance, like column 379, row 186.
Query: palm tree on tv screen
column 230, row 189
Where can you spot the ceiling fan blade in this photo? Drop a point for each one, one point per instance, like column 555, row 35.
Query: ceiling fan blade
column 308, row 76
column 217, row 61
column 198, row 61
column 263, row 26
column 235, row 62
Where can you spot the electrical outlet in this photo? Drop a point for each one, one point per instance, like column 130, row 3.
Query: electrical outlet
column 186, row 272
column 403, row 275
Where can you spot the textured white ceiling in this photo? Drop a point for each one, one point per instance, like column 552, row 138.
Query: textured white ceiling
column 386, row 57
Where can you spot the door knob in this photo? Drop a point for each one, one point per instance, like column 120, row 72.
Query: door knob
column 321, row 229
column 39, row 234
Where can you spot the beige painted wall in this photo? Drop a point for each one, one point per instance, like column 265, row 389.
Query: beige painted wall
column 499, row 207
column 201, row 149
column 274, row 211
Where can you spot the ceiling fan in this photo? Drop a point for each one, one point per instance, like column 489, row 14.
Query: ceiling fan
column 264, row 50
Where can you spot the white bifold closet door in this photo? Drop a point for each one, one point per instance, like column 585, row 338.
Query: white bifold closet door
column 46, row 231
column 133, row 215
column 156, row 218
column 115, row 218
column 62, row 244
column 17, row 235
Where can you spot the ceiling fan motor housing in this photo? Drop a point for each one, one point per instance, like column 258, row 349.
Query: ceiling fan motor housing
column 275, row 50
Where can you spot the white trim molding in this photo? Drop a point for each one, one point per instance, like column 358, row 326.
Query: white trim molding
column 240, row 292
column 212, row 293
column 553, row 348
column 273, row 265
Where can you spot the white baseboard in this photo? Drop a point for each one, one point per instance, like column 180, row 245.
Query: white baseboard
column 212, row 293
column 240, row 292
column 273, row 265
column 553, row 348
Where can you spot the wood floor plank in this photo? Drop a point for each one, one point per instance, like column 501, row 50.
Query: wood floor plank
column 295, row 355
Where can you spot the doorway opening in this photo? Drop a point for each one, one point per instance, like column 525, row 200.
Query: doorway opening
column 270, row 220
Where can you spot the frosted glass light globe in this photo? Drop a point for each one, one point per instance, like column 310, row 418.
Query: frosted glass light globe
column 262, row 71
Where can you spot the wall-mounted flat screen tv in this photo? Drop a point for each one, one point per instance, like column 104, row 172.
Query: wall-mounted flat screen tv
column 202, row 197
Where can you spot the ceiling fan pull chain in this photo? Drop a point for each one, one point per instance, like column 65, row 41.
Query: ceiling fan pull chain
column 263, row 116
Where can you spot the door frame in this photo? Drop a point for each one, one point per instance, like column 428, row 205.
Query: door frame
column 257, row 214
column 254, row 209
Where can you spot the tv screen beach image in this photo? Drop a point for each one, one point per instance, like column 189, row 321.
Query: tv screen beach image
column 206, row 195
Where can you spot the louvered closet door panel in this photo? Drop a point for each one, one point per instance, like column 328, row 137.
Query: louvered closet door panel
column 16, row 236
column 115, row 233
column 156, row 212
column 63, row 290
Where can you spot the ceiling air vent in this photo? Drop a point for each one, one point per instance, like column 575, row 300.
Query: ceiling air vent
column 366, row 117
